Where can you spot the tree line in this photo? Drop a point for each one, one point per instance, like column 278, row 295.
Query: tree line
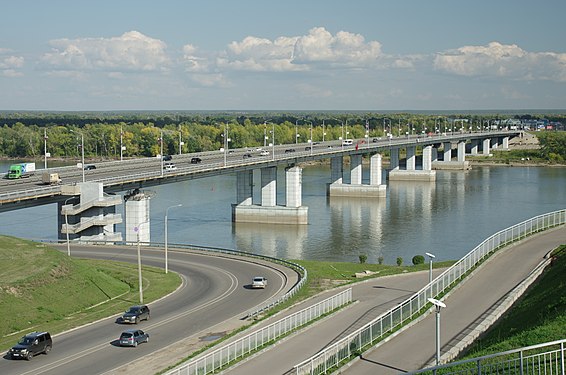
column 104, row 135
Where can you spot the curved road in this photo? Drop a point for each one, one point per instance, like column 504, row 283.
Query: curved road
column 214, row 290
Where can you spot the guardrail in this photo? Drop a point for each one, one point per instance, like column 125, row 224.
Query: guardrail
column 547, row 358
column 334, row 355
column 244, row 346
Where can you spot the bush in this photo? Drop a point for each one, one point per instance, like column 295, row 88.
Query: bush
column 418, row 259
column 380, row 260
column 362, row 258
column 399, row 261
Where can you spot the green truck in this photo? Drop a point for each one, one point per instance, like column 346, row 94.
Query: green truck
column 21, row 170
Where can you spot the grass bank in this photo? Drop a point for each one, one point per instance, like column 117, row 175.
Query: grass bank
column 537, row 318
column 43, row 289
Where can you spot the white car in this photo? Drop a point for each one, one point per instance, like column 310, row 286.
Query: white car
column 259, row 282
column 264, row 153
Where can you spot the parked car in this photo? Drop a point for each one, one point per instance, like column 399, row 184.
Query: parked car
column 196, row 160
column 90, row 167
column 259, row 282
column 135, row 314
column 31, row 344
column 167, row 157
column 133, row 337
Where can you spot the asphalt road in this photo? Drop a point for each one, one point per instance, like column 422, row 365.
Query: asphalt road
column 214, row 290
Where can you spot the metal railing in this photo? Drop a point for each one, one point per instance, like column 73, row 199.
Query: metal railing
column 242, row 347
column 547, row 358
column 393, row 319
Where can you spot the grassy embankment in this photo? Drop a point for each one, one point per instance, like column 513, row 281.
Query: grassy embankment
column 43, row 289
column 540, row 316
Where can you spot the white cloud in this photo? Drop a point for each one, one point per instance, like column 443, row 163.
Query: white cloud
column 9, row 65
column 132, row 51
column 501, row 60
column 299, row 53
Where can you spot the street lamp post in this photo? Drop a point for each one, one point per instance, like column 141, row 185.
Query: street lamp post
column 140, row 280
column 323, row 131
column 181, row 143
column 226, row 141
column 45, row 147
column 161, row 151
column 310, row 140
column 439, row 305
column 82, row 152
column 166, row 212
column 67, row 225
column 430, row 257
column 273, row 141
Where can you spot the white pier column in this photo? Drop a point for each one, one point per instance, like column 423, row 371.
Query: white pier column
column 336, row 169
column 486, row 144
column 394, row 159
column 427, row 158
column 375, row 170
column 434, row 154
column 356, row 169
column 269, row 186
column 474, row 148
column 447, row 151
column 461, row 151
column 244, row 188
column 411, row 158
column 506, row 143
column 293, row 187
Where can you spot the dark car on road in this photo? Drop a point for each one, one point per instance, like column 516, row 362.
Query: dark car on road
column 248, row 155
column 135, row 314
column 133, row 337
column 289, row 150
column 167, row 157
column 90, row 167
column 196, row 160
column 31, row 344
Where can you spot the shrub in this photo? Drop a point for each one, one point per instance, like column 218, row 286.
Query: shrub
column 418, row 259
column 399, row 261
column 380, row 260
column 362, row 258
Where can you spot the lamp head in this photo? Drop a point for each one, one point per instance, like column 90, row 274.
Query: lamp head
column 437, row 303
column 430, row 255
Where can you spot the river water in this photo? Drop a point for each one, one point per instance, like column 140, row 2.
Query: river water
column 447, row 218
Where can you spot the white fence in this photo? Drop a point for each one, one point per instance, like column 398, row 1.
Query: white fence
column 246, row 345
column 547, row 358
column 341, row 351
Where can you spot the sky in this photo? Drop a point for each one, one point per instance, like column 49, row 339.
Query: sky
column 79, row 55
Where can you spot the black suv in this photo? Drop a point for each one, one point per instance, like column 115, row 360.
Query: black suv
column 196, row 160
column 31, row 344
column 135, row 314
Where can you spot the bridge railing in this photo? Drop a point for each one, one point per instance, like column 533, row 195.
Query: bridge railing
column 244, row 346
column 334, row 355
column 547, row 358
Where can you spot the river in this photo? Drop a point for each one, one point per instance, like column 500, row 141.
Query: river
column 447, row 218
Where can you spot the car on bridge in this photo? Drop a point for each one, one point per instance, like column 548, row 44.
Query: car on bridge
column 90, row 167
column 289, row 150
column 259, row 282
column 196, row 160
column 247, row 155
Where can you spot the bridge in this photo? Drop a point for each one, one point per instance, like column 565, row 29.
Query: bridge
column 87, row 198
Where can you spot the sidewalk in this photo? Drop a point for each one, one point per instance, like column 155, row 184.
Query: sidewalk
column 467, row 307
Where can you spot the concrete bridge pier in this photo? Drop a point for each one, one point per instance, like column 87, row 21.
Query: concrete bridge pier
column 411, row 173
column 268, row 212
column 89, row 214
column 356, row 188
column 486, row 147
column 459, row 164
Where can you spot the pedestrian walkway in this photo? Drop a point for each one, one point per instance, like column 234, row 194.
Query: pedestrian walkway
column 467, row 307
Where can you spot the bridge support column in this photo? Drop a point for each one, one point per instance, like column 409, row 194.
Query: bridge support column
column 459, row 164
column 474, row 147
column 447, row 151
column 461, row 152
column 269, row 212
column 394, row 159
column 411, row 155
column 244, row 188
column 505, row 143
column 356, row 188
column 485, row 149
column 411, row 173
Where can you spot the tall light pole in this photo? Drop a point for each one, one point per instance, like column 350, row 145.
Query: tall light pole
column 342, row 137
column 439, row 305
column 121, row 143
column 161, row 151
column 226, row 142
column 45, row 147
column 430, row 257
column 272, row 141
column 82, row 152
column 310, row 140
column 296, row 131
column 323, row 131
column 181, row 143
column 140, row 280
column 67, row 225
column 166, row 212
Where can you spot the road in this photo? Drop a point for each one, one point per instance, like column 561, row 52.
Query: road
column 214, row 290
column 414, row 347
